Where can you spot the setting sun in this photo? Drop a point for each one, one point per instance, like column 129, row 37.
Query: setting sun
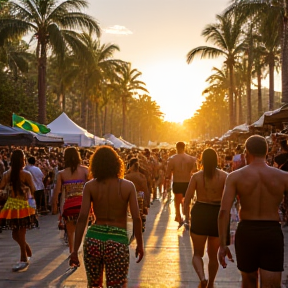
column 177, row 87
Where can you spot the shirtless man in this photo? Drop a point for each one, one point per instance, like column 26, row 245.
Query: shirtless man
column 181, row 166
column 139, row 180
column 259, row 240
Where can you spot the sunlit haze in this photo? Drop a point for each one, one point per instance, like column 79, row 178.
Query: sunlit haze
column 155, row 36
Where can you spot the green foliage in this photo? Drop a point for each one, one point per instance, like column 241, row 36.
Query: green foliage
column 15, row 97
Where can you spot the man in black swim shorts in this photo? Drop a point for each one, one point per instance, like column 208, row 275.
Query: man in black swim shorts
column 181, row 166
column 259, row 239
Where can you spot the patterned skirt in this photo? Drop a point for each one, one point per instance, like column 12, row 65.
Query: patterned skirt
column 17, row 213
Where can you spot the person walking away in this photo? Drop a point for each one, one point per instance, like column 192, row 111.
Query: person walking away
column 17, row 214
column 106, row 244
column 281, row 162
column 37, row 177
column 259, row 243
column 181, row 166
column 208, row 184
column 140, row 182
column 70, row 183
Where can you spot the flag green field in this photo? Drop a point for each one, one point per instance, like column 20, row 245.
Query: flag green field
column 21, row 122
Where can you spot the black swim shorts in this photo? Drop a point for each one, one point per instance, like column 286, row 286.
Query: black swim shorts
column 259, row 244
column 180, row 187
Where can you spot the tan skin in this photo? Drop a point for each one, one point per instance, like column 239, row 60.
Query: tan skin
column 212, row 194
column 81, row 173
column 254, row 185
column 109, row 210
column 140, row 182
column 19, row 235
column 181, row 165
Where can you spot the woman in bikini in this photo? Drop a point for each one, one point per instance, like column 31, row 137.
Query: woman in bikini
column 208, row 185
column 69, row 186
column 17, row 214
column 106, row 244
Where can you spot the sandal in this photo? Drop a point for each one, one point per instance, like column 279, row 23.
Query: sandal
column 181, row 223
column 20, row 267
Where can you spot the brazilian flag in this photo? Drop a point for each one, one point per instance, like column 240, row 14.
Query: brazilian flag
column 21, row 122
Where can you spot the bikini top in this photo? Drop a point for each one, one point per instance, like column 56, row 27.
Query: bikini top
column 73, row 188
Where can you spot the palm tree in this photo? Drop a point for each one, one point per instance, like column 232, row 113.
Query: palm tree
column 128, row 83
column 226, row 36
column 52, row 24
column 277, row 12
column 145, row 116
column 271, row 42
column 259, row 52
column 15, row 57
column 98, row 70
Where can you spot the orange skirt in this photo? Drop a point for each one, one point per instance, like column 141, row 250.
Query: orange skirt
column 17, row 213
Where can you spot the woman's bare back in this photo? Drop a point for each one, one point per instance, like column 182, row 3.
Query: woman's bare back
column 110, row 199
column 210, row 190
column 81, row 173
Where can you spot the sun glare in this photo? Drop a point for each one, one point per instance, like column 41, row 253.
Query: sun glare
column 176, row 87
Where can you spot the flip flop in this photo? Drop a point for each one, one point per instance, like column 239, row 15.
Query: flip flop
column 180, row 224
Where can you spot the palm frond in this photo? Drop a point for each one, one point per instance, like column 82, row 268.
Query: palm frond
column 56, row 40
column 76, row 20
column 204, row 51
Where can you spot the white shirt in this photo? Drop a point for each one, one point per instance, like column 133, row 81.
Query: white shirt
column 37, row 176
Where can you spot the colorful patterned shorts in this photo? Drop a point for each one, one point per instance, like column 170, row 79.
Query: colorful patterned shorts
column 106, row 247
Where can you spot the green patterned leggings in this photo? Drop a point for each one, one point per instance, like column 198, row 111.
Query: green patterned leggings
column 106, row 247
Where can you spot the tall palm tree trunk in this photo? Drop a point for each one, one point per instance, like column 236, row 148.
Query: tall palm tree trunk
column 105, row 118
column 84, row 102
column 259, row 84
column 42, row 63
column 248, row 91
column 111, row 120
column 98, row 129
column 231, row 92
column 63, row 96
column 235, row 109
column 284, row 55
column 124, row 107
column 271, row 84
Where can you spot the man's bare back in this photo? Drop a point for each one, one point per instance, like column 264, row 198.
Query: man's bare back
column 260, row 189
column 259, row 242
column 140, row 182
column 181, row 165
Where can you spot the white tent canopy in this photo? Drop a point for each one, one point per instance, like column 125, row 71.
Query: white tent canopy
column 127, row 143
column 102, row 141
column 260, row 121
column 243, row 128
column 71, row 133
column 117, row 142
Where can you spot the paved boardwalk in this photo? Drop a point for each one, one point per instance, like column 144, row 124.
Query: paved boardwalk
column 167, row 260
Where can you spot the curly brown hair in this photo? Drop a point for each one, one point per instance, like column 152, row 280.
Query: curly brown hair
column 106, row 163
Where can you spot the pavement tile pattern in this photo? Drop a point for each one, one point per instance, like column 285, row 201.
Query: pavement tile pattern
column 166, row 264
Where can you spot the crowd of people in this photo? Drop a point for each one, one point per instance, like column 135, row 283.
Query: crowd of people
column 101, row 186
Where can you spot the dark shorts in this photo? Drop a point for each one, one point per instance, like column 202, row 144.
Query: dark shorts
column 204, row 220
column 180, row 187
column 259, row 244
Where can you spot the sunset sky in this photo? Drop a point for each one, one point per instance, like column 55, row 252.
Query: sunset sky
column 155, row 36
